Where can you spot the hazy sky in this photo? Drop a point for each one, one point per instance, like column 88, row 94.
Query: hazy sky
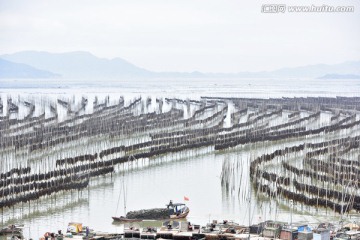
column 184, row 35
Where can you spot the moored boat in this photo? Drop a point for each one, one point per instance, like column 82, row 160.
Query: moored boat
column 172, row 211
column 12, row 231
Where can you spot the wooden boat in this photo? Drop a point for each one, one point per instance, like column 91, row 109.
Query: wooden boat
column 124, row 219
column 172, row 211
column 12, row 231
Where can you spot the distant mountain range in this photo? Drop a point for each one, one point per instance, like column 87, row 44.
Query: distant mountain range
column 19, row 70
column 77, row 64
column 34, row 64
column 340, row 76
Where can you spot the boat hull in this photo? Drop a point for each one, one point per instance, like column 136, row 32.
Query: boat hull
column 181, row 215
column 122, row 219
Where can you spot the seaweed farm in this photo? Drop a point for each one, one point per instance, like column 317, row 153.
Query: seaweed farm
column 65, row 157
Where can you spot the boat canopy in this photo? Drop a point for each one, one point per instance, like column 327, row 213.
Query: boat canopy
column 304, row 229
column 176, row 204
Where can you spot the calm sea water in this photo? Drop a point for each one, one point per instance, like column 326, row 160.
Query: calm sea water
column 195, row 174
column 265, row 88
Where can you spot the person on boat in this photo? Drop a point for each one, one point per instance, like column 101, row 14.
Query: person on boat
column 190, row 228
column 46, row 235
column 52, row 236
column 87, row 232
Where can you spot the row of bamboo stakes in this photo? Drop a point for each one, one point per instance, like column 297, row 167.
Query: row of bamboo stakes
column 42, row 155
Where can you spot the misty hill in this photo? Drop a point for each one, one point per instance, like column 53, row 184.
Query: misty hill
column 310, row 71
column 77, row 64
column 19, row 70
column 318, row 70
column 86, row 65
column 340, row 76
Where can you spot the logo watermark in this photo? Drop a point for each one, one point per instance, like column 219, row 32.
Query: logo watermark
column 282, row 8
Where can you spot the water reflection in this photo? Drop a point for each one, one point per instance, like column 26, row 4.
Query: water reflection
column 153, row 183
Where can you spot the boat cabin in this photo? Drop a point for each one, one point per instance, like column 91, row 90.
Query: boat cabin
column 305, row 233
column 289, row 234
column 177, row 210
column 272, row 229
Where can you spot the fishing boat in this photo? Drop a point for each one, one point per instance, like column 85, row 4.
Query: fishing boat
column 12, row 232
column 172, row 211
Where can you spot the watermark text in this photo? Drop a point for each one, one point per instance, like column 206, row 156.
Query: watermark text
column 282, row 8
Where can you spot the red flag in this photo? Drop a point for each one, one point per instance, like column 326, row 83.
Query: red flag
column 186, row 198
